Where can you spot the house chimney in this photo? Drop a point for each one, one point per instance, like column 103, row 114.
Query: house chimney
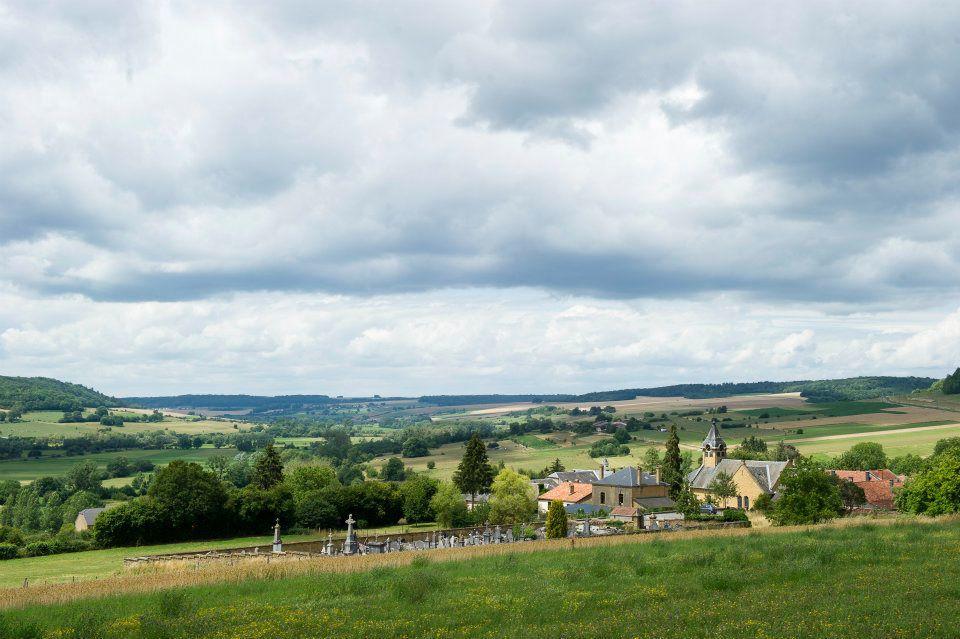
column 571, row 488
column 891, row 484
column 601, row 471
column 656, row 474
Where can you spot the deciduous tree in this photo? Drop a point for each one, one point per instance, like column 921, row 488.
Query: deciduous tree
column 808, row 495
column 512, row 498
column 268, row 469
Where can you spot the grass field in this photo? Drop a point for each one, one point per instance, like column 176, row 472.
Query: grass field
column 821, row 582
column 96, row 564
column 532, row 441
column 919, row 441
column 45, row 424
column 57, row 464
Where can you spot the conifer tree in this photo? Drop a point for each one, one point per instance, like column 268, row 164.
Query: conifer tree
column 556, row 520
column 673, row 463
column 474, row 474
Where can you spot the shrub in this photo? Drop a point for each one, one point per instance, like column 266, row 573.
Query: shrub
column 8, row 551
column 733, row 514
column 37, row 549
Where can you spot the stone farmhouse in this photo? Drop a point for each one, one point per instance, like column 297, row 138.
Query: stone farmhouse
column 751, row 477
column 572, row 494
column 628, row 495
column 86, row 518
column 878, row 485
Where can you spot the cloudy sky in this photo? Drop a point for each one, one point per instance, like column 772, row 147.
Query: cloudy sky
column 476, row 196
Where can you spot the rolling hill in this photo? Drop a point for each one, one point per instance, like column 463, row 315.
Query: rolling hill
column 44, row 393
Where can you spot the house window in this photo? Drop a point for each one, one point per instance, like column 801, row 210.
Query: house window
column 739, row 501
column 603, row 498
column 620, row 499
column 746, row 503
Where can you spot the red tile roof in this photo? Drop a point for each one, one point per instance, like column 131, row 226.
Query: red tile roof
column 878, row 493
column 624, row 511
column 877, row 485
column 562, row 492
column 856, row 476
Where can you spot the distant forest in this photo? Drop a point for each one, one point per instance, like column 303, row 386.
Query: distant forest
column 44, row 393
column 827, row 390
column 260, row 403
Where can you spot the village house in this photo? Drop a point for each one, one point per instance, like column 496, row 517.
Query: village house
column 878, row 485
column 554, row 479
column 572, row 494
column 86, row 518
column 632, row 495
column 751, row 477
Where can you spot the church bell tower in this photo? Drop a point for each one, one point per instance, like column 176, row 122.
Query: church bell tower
column 713, row 447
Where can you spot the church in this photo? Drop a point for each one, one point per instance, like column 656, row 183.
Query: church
column 752, row 477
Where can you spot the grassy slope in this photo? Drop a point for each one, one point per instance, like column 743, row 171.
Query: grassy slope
column 95, row 564
column 904, row 441
column 100, row 563
column 50, row 465
column 858, row 581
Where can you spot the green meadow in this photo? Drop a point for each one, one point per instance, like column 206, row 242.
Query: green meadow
column 55, row 463
column 870, row 580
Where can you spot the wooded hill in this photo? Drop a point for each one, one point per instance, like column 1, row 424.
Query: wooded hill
column 827, row 390
column 44, row 393
column 259, row 403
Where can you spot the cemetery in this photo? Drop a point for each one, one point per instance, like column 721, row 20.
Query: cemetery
column 487, row 535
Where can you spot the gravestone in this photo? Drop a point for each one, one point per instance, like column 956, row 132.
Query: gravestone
column 350, row 546
column 277, row 542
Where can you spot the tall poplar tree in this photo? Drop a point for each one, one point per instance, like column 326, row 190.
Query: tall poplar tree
column 673, row 463
column 474, row 474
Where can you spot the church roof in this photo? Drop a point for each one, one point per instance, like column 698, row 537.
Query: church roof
column 713, row 439
column 767, row 473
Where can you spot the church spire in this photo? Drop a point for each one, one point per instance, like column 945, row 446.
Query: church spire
column 713, row 447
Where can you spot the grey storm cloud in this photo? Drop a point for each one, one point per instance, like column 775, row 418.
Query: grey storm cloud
column 804, row 151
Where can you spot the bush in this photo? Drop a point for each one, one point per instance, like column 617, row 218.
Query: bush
column 733, row 514
column 608, row 448
column 37, row 549
column 8, row 551
column 763, row 503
